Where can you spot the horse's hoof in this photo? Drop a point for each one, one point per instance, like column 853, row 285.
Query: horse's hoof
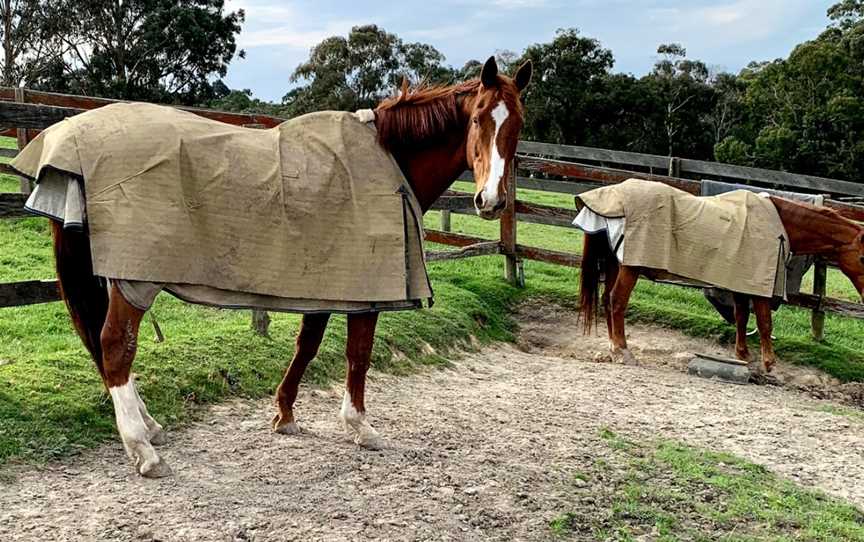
column 624, row 356
column 157, row 469
column 756, row 368
column 602, row 357
column 372, row 441
column 285, row 427
column 159, row 438
column 290, row 428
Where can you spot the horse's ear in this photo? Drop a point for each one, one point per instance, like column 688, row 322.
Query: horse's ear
column 523, row 75
column 489, row 75
column 404, row 88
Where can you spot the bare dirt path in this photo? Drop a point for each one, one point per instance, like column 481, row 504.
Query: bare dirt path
column 485, row 450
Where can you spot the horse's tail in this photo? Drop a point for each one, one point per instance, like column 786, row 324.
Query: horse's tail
column 85, row 294
column 595, row 255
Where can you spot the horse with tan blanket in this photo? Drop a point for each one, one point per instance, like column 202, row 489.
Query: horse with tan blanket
column 320, row 214
column 738, row 241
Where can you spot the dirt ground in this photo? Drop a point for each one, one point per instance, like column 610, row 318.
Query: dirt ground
column 485, row 450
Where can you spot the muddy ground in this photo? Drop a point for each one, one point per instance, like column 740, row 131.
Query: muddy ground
column 484, row 450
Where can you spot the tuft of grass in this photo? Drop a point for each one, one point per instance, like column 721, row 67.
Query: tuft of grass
column 839, row 410
column 669, row 491
column 616, row 442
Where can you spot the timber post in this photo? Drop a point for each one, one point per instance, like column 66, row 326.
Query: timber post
column 261, row 322
column 23, row 139
column 674, row 167
column 513, row 271
column 817, row 319
column 445, row 220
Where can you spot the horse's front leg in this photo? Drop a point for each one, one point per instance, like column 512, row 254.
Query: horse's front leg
column 361, row 333
column 137, row 429
column 308, row 340
column 742, row 317
column 619, row 299
column 606, row 300
column 762, row 308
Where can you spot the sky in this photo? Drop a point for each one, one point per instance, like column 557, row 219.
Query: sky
column 725, row 34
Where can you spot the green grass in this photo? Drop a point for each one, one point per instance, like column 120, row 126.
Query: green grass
column 52, row 403
column 853, row 414
column 669, row 491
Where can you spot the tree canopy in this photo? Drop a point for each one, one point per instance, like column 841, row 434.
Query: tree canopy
column 360, row 70
column 31, row 32
column 156, row 50
column 805, row 113
column 802, row 113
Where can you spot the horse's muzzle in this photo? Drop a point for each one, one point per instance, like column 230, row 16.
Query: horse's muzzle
column 492, row 214
column 486, row 213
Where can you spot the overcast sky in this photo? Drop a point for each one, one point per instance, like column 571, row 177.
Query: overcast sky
column 726, row 34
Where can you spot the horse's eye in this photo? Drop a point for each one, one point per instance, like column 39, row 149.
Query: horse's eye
column 476, row 120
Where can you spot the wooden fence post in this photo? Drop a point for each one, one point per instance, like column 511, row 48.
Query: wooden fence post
column 23, row 139
column 513, row 271
column 820, row 279
column 261, row 322
column 674, row 167
column 445, row 221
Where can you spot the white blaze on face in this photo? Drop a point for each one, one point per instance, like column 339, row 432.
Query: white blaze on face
column 497, row 162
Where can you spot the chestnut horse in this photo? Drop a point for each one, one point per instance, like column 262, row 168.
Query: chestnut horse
column 434, row 133
column 816, row 231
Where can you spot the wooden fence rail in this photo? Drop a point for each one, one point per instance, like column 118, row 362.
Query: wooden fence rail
column 541, row 166
column 695, row 168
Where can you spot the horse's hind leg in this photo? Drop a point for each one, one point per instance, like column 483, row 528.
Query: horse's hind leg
column 308, row 340
column 762, row 308
column 361, row 333
column 155, row 433
column 742, row 317
column 611, row 278
column 119, row 344
column 619, row 299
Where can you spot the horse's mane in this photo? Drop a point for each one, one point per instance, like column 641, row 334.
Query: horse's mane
column 827, row 212
column 418, row 114
column 830, row 214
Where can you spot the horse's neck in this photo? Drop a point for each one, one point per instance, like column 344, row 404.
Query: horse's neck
column 430, row 171
column 812, row 232
column 431, row 168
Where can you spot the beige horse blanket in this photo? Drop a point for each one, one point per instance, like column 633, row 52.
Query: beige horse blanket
column 734, row 241
column 313, row 210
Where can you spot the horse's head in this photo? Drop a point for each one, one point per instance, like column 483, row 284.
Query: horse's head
column 850, row 259
column 493, row 132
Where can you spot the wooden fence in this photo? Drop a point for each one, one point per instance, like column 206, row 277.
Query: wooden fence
column 539, row 166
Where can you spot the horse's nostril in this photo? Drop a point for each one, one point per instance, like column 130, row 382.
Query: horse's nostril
column 500, row 205
column 478, row 200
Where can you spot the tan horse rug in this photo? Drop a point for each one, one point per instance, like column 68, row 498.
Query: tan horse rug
column 734, row 241
column 312, row 211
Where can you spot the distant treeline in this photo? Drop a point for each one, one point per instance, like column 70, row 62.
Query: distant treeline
column 804, row 113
